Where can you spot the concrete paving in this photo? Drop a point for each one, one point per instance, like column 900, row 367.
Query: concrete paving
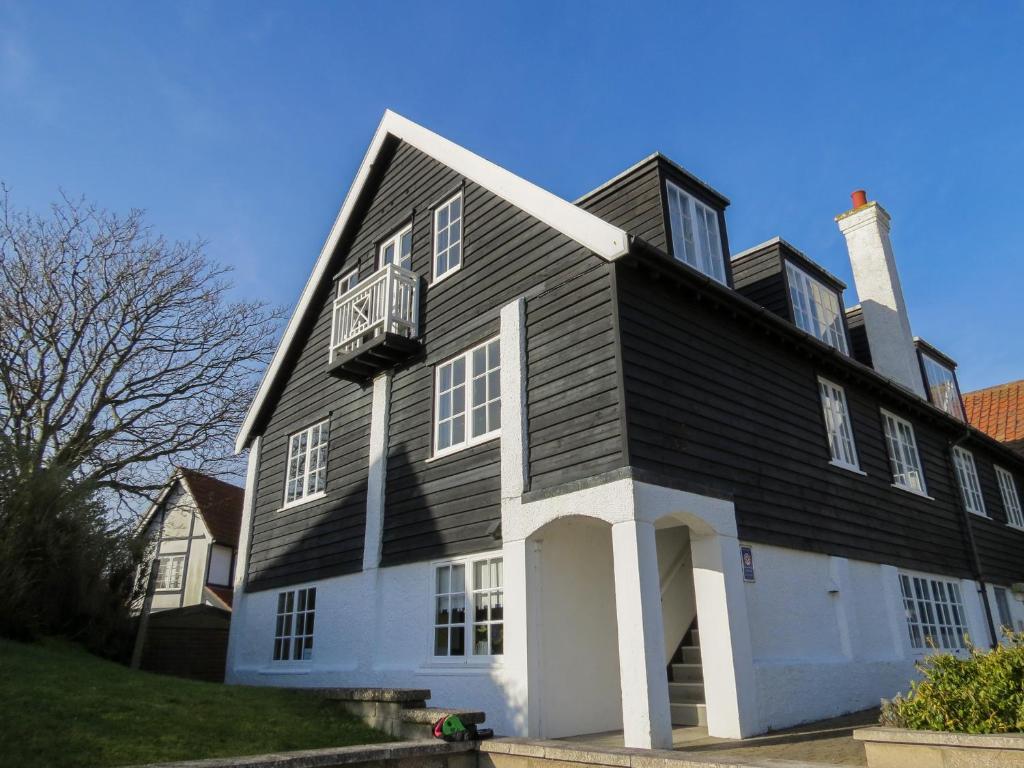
column 825, row 741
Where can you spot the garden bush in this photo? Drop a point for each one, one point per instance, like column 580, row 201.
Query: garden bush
column 980, row 693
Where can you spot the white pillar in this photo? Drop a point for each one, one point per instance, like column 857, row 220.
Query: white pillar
column 646, row 717
column 521, row 569
column 377, row 473
column 726, row 655
column 512, row 344
column 237, row 626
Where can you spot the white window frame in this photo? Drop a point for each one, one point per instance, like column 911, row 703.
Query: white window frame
column 951, row 403
column 349, row 281
column 395, row 241
column 838, row 426
column 470, row 382
column 1011, row 498
column 967, row 479
column 1002, row 600
column 470, row 591
column 292, row 622
column 901, row 451
column 690, row 225
column 933, row 608
column 817, row 309
column 164, row 573
column 307, row 457
column 438, row 230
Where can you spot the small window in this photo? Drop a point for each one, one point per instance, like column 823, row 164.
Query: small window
column 695, row 237
column 450, row 611
column 472, row 380
column 348, row 282
column 481, row 583
column 942, row 390
column 397, row 249
column 488, row 608
column 903, row 454
column 1011, row 500
column 816, row 308
column 967, row 475
column 170, row 571
column 935, row 613
column 307, row 463
column 838, row 426
column 1003, row 608
column 448, row 237
column 293, row 633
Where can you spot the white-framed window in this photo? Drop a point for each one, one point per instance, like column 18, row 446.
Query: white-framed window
column 1011, row 500
column 838, row 425
column 397, row 249
column 467, row 402
column 170, row 572
column 903, row 455
column 935, row 613
column 480, row 584
column 293, row 631
column 1003, row 607
column 967, row 475
column 448, row 237
column 307, row 464
column 816, row 308
column 695, row 237
column 348, row 282
column 942, row 389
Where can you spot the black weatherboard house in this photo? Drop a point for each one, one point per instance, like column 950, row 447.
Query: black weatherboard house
column 574, row 465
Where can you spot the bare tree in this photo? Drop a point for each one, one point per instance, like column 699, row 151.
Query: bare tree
column 121, row 353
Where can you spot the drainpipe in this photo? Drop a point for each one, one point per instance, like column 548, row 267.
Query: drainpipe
column 972, row 546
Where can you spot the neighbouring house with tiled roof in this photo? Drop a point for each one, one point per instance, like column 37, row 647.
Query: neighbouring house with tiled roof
column 999, row 412
column 193, row 532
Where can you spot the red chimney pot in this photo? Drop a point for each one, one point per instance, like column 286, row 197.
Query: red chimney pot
column 859, row 197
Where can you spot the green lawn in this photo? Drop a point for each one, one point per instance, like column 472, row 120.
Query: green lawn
column 63, row 707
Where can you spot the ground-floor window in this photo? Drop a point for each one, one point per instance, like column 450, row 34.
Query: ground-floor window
column 1003, row 607
column 935, row 613
column 480, row 583
column 293, row 633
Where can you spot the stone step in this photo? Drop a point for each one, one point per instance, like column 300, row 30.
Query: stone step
column 689, row 714
column 690, row 654
column 686, row 693
column 687, row 673
column 409, row 697
column 695, row 637
column 431, row 715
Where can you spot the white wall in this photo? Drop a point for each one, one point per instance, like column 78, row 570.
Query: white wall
column 829, row 635
column 220, row 565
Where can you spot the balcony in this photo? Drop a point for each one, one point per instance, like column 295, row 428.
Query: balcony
column 376, row 324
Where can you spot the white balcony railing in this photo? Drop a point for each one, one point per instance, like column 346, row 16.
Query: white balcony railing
column 386, row 302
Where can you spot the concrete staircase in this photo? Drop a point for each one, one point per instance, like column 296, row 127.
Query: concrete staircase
column 686, row 681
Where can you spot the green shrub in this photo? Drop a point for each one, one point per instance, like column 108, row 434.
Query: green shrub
column 981, row 693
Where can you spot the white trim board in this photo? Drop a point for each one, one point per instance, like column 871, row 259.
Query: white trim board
column 588, row 230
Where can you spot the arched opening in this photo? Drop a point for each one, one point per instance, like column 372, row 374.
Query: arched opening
column 576, row 629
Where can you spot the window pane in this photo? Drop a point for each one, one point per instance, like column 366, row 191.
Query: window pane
column 458, row 638
column 441, row 641
column 458, row 578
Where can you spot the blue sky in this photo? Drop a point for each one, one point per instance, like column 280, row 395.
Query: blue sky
column 243, row 123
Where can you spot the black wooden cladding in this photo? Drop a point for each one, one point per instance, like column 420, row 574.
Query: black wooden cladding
column 633, row 201
column 759, row 275
column 860, row 349
column 714, row 403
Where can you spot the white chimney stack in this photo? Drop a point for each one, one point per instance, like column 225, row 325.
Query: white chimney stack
column 866, row 229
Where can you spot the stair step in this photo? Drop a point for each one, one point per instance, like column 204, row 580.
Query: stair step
column 689, row 714
column 686, row 693
column 690, row 654
column 695, row 637
column 687, row 673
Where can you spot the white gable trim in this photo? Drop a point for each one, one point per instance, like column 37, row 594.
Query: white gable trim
column 588, row 230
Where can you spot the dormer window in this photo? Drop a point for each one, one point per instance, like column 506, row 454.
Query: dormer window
column 695, row 237
column 941, row 383
column 816, row 308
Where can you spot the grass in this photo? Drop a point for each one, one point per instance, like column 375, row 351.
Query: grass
column 63, row 707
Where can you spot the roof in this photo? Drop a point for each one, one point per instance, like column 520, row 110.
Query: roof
column 998, row 411
column 222, row 595
column 639, row 164
column 588, row 230
column 219, row 503
column 793, row 250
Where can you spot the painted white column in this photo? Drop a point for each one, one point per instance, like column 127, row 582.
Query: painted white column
column 977, row 623
column 521, row 569
column 646, row 717
column 239, row 599
column 726, row 655
column 377, row 474
column 894, row 611
column 840, row 592
column 512, row 345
